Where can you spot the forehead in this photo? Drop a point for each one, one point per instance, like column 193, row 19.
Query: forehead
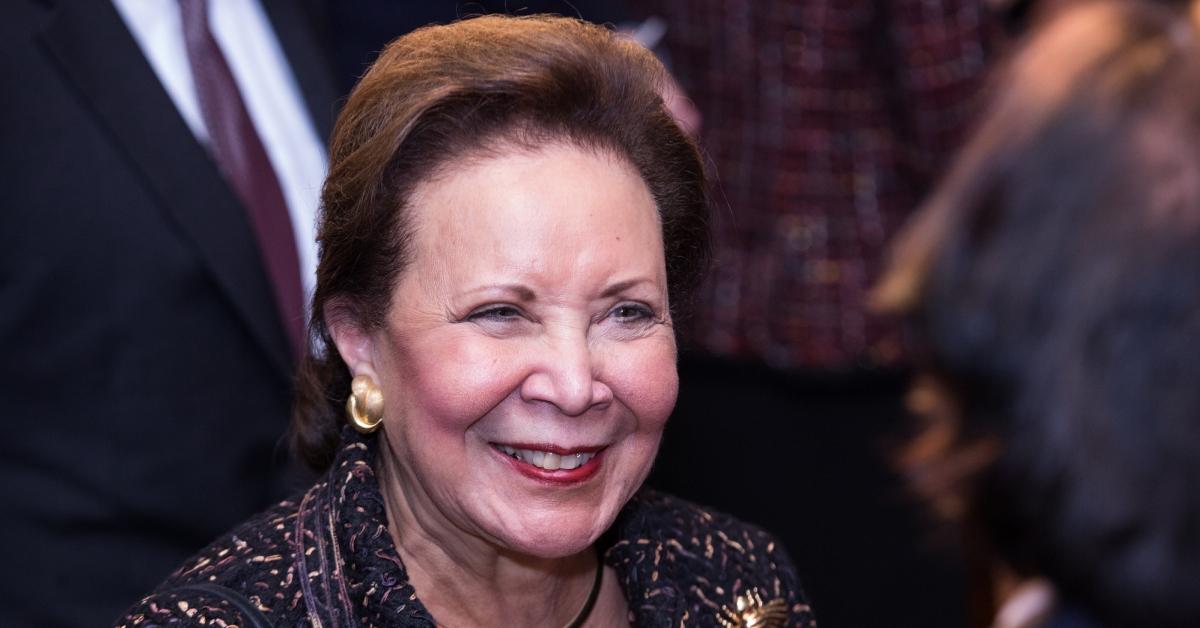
column 521, row 201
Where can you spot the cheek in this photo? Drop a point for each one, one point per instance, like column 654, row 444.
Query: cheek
column 649, row 385
column 450, row 384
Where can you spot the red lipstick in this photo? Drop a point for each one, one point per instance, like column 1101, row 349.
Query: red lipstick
column 562, row 477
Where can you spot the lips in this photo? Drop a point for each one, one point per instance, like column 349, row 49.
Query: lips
column 548, row 460
column 552, row 463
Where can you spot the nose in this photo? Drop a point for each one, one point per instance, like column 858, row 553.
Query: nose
column 566, row 376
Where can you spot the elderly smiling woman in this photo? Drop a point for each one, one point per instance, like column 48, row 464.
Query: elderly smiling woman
column 510, row 222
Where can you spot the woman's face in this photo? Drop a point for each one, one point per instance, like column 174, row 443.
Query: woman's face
column 528, row 359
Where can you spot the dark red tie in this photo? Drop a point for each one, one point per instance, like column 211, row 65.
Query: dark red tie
column 243, row 161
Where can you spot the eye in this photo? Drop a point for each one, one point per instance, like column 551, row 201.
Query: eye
column 495, row 313
column 631, row 313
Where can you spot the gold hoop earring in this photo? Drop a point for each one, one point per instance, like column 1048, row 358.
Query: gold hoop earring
column 365, row 405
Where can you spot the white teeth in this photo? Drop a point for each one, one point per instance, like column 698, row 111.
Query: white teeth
column 546, row 460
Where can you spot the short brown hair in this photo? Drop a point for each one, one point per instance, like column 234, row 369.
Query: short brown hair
column 443, row 93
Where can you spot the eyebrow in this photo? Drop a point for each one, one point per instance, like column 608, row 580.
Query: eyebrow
column 523, row 293
column 526, row 294
column 621, row 286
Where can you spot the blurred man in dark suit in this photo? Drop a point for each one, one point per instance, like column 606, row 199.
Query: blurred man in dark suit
column 161, row 163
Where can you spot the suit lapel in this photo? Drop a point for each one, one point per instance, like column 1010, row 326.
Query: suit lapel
column 96, row 53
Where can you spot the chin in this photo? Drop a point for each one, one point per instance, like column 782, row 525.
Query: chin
column 556, row 535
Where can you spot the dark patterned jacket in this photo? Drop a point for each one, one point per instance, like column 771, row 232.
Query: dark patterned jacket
column 326, row 559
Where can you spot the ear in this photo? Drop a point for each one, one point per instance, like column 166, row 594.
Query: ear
column 355, row 344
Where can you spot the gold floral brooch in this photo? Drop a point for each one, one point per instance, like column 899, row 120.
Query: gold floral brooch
column 750, row 611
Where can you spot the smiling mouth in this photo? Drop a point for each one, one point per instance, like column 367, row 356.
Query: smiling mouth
column 546, row 460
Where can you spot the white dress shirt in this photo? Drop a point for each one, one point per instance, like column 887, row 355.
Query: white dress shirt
column 269, row 91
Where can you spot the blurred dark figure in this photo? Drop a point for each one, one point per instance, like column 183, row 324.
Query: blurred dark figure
column 826, row 122
column 146, row 379
column 1052, row 283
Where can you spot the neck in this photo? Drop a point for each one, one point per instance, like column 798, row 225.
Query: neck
column 465, row 580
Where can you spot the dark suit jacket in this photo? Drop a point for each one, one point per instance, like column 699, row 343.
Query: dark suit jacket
column 145, row 379
column 325, row 558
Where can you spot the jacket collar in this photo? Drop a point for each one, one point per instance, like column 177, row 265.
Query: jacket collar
column 354, row 573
